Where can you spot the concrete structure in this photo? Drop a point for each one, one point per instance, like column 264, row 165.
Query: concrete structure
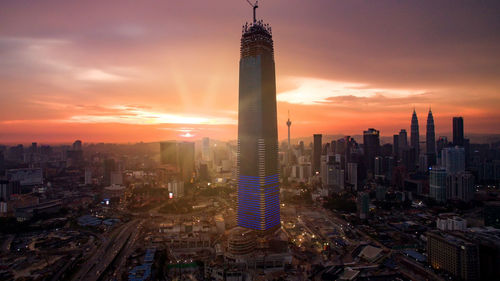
column 454, row 254
column 363, row 205
column 451, row 222
column 430, row 140
column 26, row 176
column 88, row 176
column 453, row 159
column 176, row 188
column 458, row 131
column 415, row 134
column 402, row 142
column 316, row 157
column 179, row 155
column 352, row 174
column 437, row 184
column 205, row 150
column 371, row 147
column 460, row 186
column 116, row 178
column 257, row 157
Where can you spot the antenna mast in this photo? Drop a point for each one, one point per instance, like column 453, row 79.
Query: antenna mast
column 254, row 6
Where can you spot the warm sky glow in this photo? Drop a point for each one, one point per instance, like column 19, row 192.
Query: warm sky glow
column 127, row 71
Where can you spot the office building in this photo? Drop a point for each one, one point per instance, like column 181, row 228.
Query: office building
column 352, row 175
column 460, row 186
column 415, row 135
column 437, row 184
column 186, row 160
column 109, row 168
column 458, row 131
column 371, row 147
column 453, row 159
column 441, row 143
column 363, row 205
column 205, row 149
column 402, row 142
column 395, row 146
column 317, row 147
column 88, row 176
column 77, row 145
column 168, row 153
column 179, row 156
column 430, row 140
column 258, row 179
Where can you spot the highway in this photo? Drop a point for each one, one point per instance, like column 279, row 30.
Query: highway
column 93, row 268
column 127, row 251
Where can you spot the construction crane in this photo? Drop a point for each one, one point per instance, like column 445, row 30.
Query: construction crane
column 254, row 6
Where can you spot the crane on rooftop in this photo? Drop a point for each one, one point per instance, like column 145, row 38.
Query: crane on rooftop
column 254, row 6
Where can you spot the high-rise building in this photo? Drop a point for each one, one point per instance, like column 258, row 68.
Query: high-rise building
column 460, row 186
column 317, row 147
column 452, row 253
column 109, row 168
column 88, row 176
column 437, row 184
column 258, row 179
column 402, row 142
column 168, row 153
column 415, row 135
column 492, row 214
column 430, row 140
column 205, row 149
column 77, row 145
column 352, row 175
column 186, row 160
column 74, row 157
column 371, row 146
column 180, row 156
column 363, row 205
column 7, row 188
column 395, row 146
column 453, row 159
column 379, row 166
column 441, row 143
column 458, row 131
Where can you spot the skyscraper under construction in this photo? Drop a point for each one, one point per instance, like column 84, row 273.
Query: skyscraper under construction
column 258, row 179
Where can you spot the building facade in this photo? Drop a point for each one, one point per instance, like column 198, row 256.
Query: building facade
column 456, row 255
column 415, row 135
column 458, row 131
column 257, row 159
column 430, row 140
column 437, row 184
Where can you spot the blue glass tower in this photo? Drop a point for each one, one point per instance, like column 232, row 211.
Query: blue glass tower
column 258, row 179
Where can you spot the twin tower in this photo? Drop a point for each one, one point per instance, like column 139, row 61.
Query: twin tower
column 258, row 175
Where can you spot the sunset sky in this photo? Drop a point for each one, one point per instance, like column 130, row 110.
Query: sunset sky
column 127, row 71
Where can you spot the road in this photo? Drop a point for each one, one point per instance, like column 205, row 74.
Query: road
column 94, row 267
column 127, row 251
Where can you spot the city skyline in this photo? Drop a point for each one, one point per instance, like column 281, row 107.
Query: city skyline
column 135, row 75
column 137, row 143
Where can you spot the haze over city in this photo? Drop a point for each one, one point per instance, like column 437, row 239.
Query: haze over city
column 249, row 140
column 115, row 71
